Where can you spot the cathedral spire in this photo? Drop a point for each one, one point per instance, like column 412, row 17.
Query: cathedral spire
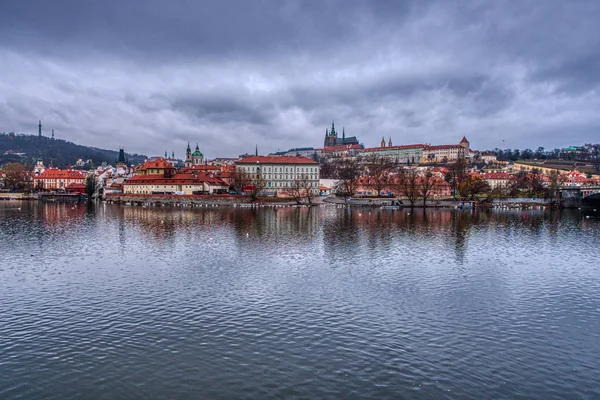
column 256, row 151
column 382, row 141
column 343, row 133
column 390, row 142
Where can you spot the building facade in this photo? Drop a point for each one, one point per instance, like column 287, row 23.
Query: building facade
column 58, row 179
column 281, row 172
column 407, row 154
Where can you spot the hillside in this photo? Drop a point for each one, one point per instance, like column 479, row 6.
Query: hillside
column 56, row 152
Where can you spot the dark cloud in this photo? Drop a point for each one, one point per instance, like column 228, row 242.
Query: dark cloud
column 233, row 74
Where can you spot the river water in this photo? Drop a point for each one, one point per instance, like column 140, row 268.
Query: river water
column 110, row 302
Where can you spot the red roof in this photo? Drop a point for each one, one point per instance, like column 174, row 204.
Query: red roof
column 464, row 140
column 444, row 146
column 177, row 179
column 406, row 146
column 276, row 160
column 159, row 163
column 54, row 173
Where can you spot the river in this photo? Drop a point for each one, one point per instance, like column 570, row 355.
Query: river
column 113, row 302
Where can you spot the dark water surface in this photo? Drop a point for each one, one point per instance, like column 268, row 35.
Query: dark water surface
column 226, row 303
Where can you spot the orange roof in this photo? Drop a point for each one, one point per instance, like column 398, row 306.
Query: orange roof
column 54, row 173
column 497, row 175
column 444, row 147
column 159, row 163
column 464, row 140
column 177, row 179
column 276, row 160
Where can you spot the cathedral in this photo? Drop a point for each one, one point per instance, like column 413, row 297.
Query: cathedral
column 195, row 158
column 331, row 138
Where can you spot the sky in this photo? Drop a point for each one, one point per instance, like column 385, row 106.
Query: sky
column 152, row 75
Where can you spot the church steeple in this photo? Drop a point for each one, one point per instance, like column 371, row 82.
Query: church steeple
column 333, row 132
column 343, row 134
column 52, row 133
column 390, row 142
column 256, row 151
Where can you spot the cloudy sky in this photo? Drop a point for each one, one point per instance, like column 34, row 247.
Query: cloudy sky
column 152, row 75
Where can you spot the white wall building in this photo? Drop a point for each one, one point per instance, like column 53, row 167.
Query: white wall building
column 280, row 172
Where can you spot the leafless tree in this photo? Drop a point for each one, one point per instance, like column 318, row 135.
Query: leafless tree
column 347, row 171
column 472, row 186
column 407, row 184
column 379, row 171
column 427, row 182
column 301, row 190
column 457, row 173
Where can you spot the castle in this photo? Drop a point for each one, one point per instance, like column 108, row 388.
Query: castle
column 331, row 138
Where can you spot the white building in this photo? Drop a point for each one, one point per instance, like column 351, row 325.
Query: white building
column 280, row 172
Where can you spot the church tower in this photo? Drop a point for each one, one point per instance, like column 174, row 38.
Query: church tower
column 188, row 156
column 197, row 156
column 382, row 144
column 390, row 142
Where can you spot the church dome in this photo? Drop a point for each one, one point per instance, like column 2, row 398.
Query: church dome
column 197, row 153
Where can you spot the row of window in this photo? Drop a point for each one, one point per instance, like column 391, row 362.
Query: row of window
column 281, row 169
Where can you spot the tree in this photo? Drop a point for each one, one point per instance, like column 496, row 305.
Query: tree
column 594, row 155
column 540, row 154
column 347, row 171
column 241, row 181
column 16, row 177
column 527, row 154
column 552, row 188
column 300, row 190
column 327, row 169
column 536, row 186
column 457, row 173
column 253, row 184
column 91, row 185
column 472, row 186
column 426, row 184
column 408, row 184
column 379, row 170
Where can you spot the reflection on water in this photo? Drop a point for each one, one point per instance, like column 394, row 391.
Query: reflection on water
column 108, row 301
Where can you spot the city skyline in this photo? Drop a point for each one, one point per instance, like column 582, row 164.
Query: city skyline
column 231, row 75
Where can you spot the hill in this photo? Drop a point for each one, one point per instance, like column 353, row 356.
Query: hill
column 57, row 152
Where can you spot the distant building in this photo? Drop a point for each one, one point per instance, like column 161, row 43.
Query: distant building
column 447, row 152
column 195, row 158
column 331, row 138
column 280, row 172
column 405, row 154
column 56, row 179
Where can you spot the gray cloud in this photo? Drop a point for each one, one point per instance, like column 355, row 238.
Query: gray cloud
column 153, row 75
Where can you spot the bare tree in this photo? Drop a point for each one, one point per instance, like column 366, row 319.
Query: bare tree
column 594, row 155
column 241, row 180
column 16, row 177
column 300, row 190
column 457, row 173
column 472, row 186
column 347, row 171
column 408, row 184
column 427, row 182
column 379, row 171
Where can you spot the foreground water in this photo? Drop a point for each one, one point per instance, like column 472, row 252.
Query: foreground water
column 120, row 302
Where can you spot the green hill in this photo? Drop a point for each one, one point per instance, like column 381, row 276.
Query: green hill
column 57, row 152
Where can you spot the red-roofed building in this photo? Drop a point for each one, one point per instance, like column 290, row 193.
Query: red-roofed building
column 498, row 179
column 280, row 172
column 56, row 179
column 187, row 183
